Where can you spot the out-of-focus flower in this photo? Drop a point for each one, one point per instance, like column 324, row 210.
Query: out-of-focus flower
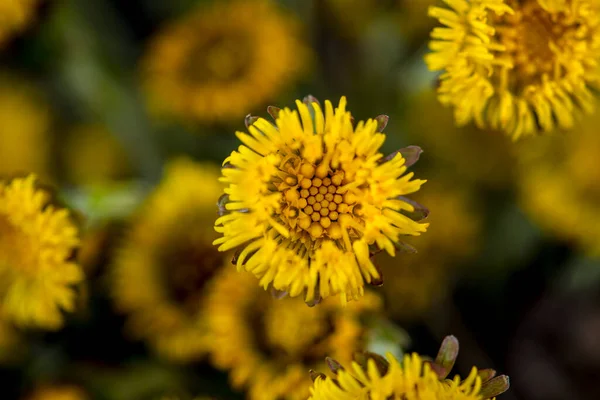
column 24, row 137
column 223, row 60
column 462, row 154
column 518, row 66
column 37, row 240
column 58, row 392
column 311, row 197
column 16, row 15
column 414, row 282
column 559, row 184
column 269, row 344
column 166, row 259
column 92, row 155
column 374, row 377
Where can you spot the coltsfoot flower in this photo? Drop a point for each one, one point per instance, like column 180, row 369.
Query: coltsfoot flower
column 374, row 377
column 37, row 241
column 166, row 259
column 269, row 344
column 221, row 60
column 522, row 67
column 310, row 198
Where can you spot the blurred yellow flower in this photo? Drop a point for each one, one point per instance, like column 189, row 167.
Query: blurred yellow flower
column 269, row 344
column 412, row 380
column 221, row 61
column 518, row 66
column 92, row 155
column 166, row 259
column 414, row 282
column 15, row 16
column 559, row 184
column 59, row 392
column 310, row 197
column 37, row 241
column 24, row 137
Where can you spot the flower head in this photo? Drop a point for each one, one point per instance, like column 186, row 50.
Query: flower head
column 517, row 66
column 309, row 199
column 559, row 184
column 269, row 344
column 37, row 240
column 374, row 377
column 16, row 15
column 166, row 259
column 219, row 61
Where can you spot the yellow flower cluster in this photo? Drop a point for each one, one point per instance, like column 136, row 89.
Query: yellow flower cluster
column 167, row 252
column 310, row 197
column 270, row 344
column 222, row 60
column 519, row 66
column 37, row 240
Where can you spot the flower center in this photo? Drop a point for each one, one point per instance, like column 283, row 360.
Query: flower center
column 315, row 205
column 221, row 58
column 294, row 329
column 188, row 265
column 534, row 40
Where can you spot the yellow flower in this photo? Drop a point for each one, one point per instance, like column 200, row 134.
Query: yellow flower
column 310, row 197
column 559, row 184
column 166, row 259
column 24, row 137
column 37, row 241
column 220, row 61
column 414, row 282
column 412, row 380
column 517, row 66
column 16, row 15
column 269, row 344
column 93, row 155
column 62, row 392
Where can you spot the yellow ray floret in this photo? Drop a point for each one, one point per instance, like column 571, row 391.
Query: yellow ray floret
column 37, row 241
column 521, row 67
column 309, row 198
column 223, row 59
column 411, row 380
